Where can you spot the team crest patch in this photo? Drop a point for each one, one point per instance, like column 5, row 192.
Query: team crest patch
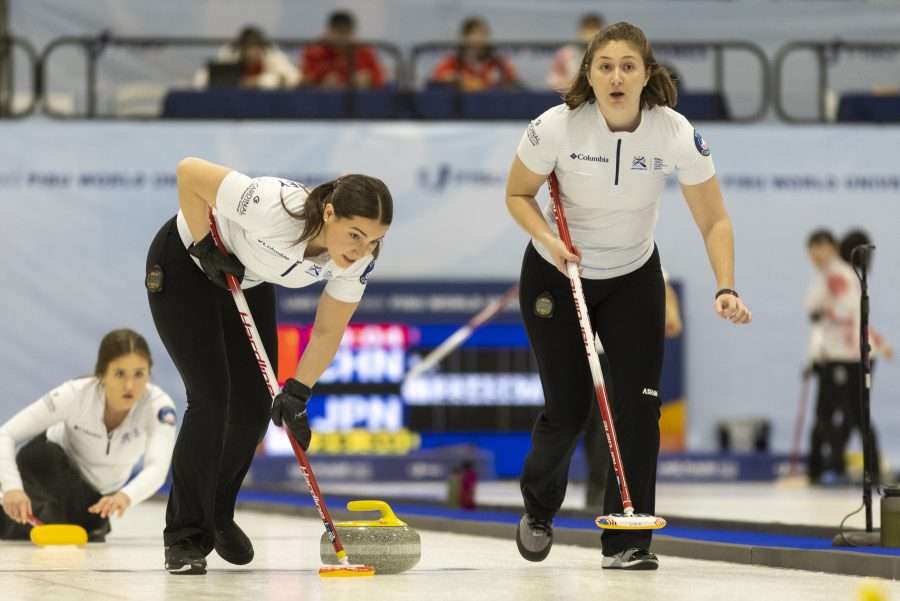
column 639, row 163
column 365, row 276
column 166, row 416
column 700, row 143
column 154, row 280
column 543, row 305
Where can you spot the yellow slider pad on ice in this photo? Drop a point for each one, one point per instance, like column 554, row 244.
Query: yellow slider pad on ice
column 59, row 534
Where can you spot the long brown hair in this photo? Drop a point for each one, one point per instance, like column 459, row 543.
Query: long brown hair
column 660, row 89
column 352, row 195
column 119, row 343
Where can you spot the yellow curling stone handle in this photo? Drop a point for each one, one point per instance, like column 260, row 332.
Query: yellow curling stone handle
column 387, row 519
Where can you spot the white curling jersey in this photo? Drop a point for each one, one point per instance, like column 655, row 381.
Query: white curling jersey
column 72, row 416
column 253, row 220
column 611, row 182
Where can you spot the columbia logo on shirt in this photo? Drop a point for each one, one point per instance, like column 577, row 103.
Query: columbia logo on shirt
column 580, row 156
column 88, row 432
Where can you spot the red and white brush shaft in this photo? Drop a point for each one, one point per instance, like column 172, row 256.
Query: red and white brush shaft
column 587, row 337
column 462, row 334
column 271, row 380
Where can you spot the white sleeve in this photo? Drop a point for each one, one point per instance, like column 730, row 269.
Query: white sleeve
column 350, row 285
column 538, row 147
column 158, row 452
column 52, row 408
column 253, row 203
column 693, row 160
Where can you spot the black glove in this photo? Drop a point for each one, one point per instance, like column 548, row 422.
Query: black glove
column 289, row 408
column 215, row 264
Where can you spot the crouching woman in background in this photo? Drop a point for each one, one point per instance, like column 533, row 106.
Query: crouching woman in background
column 83, row 440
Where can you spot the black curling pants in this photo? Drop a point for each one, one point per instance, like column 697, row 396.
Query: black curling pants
column 838, row 414
column 59, row 493
column 628, row 312
column 228, row 404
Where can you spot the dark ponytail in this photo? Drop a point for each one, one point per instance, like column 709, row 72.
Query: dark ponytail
column 660, row 89
column 352, row 195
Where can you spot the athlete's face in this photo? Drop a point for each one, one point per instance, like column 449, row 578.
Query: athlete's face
column 617, row 75
column 822, row 254
column 350, row 239
column 125, row 381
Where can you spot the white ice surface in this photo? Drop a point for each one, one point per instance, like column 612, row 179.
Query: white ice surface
column 453, row 567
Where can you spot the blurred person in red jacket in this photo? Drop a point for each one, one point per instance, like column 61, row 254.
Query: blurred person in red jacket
column 475, row 66
column 329, row 63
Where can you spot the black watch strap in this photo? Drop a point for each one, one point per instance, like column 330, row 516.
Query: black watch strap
column 727, row 291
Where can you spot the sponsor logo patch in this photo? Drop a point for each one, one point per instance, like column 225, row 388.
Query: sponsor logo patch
column 533, row 136
column 248, row 195
column 658, row 164
column 639, row 163
column 580, row 156
column 650, row 392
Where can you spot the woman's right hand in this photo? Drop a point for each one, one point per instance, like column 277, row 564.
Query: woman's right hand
column 559, row 252
column 17, row 506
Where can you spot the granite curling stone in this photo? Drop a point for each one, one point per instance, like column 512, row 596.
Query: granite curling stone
column 387, row 544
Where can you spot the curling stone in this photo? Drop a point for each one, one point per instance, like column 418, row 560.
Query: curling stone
column 387, row 544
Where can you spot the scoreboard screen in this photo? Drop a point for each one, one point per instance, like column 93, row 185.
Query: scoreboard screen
column 362, row 403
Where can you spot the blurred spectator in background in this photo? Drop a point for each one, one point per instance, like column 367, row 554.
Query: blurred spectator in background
column 475, row 66
column 250, row 61
column 329, row 63
column 833, row 307
column 567, row 60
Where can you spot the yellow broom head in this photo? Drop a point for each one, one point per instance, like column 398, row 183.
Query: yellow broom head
column 59, row 534
column 634, row 521
column 346, row 571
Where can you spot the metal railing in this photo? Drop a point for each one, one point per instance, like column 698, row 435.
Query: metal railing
column 8, row 73
column 718, row 62
column 825, row 53
column 93, row 49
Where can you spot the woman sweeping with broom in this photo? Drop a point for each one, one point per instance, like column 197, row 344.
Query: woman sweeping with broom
column 611, row 146
column 279, row 233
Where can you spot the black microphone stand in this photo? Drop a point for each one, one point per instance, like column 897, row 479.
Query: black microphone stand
column 859, row 260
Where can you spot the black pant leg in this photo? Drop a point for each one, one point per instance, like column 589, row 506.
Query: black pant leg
column 58, row 491
column 631, row 323
column 249, row 404
column 820, row 434
column 188, row 316
column 850, row 403
column 568, row 392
